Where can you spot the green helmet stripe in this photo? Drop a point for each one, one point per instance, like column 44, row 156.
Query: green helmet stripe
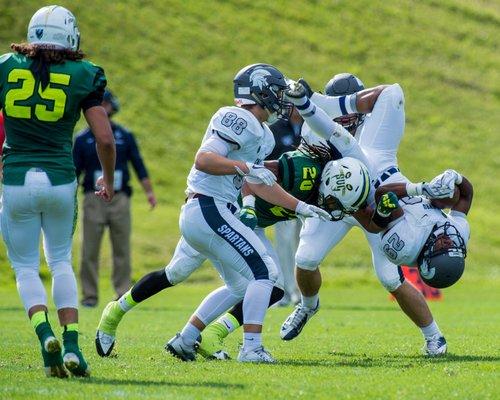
column 365, row 189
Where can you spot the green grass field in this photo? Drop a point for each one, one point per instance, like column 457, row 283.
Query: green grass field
column 358, row 346
column 171, row 63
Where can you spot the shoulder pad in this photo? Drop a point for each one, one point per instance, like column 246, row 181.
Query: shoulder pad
column 98, row 78
column 5, row 57
column 236, row 124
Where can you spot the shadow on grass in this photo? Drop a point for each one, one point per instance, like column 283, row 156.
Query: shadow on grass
column 11, row 309
column 391, row 361
column 137, row 382
column 359, row 308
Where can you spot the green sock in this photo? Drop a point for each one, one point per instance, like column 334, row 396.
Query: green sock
column 70, row 338
column 126, row 302
column 38, row 318
column 40, row 323
column 225, row 325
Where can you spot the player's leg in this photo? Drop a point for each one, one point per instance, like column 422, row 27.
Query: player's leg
column 59, row 214
column 383, row 129
column 211, row 344
column 183, row 263
column 21, row 233
column 287, row 240
column 214, row 231
column 411, row 301
column 119, row 233
column 317, row 238
column 94, row 222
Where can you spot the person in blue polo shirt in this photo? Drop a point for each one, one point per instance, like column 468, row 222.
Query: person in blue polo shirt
column 115, row 215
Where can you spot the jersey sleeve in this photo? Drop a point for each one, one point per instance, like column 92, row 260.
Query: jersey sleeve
column 461, row 223
column 234, row 126
column 334, row 106
column 97, row 84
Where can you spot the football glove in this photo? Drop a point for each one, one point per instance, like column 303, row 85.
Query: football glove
column 259, row 173
column 296, row 92
column 308, row 210
column 387, row 204
column 307, row 87
column 436, row 189
column 248, row 216
column 457, row 178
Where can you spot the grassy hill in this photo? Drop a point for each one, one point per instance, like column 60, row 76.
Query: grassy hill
column 172, row 62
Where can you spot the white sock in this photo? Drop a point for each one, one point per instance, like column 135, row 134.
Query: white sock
column 431, row 330
column 190, row 334
column 251, row 340
column 256, row 301
column 216, row 303
column 310, row 301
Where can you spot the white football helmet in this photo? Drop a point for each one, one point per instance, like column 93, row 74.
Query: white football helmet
column 54, row 26
column 344, row 187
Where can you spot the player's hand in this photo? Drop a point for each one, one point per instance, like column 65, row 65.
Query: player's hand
column 296, row 92
column 259, row 172
column 106, row 189
column 310, row 211
column 441, row 187
column 387, row 204
column 454, row 175
column 151, row 199
column 248, row 216
column 307, row 87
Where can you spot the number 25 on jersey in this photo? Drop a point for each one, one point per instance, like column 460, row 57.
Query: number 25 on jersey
column 27, row 91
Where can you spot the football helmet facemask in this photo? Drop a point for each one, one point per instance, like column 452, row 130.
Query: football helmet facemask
column 264, row 85
column 343, row 85
column 344, row 187
column 442, row 260
column 54, row 26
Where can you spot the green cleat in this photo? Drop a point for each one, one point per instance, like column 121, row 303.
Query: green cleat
column 51, row 351
column 106, row 331
column 73, row 357
column 211, row 342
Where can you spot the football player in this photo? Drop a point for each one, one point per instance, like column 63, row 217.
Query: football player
column 299, row 172
column 416, row 231
column 379, row 137
column 235, row 143
column 44, row 85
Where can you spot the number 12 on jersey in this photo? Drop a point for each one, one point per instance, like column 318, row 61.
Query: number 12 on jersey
column 27, row 91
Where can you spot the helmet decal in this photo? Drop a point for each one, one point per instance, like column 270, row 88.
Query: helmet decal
column 258, row 77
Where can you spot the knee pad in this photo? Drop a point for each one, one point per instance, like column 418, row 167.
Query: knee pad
column 180, row 270
column 272, row 268
column 307, row 261
column 30, row 287
column 392, row 283
column 239, row 288
column 60, row 269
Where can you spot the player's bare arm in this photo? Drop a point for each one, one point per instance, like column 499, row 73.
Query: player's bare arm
column 106, row 151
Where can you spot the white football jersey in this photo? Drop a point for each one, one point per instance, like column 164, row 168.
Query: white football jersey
column 252, row 140
column 405, row 238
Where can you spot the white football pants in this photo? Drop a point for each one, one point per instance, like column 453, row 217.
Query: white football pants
column 379, row 139
column 34, row 208
column 286, row 237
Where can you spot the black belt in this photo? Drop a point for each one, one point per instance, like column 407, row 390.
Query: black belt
column 229, row 206
column 385, row 176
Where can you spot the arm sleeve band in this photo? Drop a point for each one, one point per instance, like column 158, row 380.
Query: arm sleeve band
column 380, row 220
column 335, row 106
column 317, row 119
column 215, row 144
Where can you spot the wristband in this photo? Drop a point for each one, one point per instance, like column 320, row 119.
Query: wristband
column 380, row 220
column 351, row 103
column 249, row 201
column 414, row 189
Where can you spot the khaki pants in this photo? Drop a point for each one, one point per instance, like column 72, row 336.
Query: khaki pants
column 96, row 216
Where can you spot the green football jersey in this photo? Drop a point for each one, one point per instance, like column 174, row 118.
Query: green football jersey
column 299, row 175
column 39, row 123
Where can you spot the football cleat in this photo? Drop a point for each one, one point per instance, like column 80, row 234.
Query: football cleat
column 73, row 357
column 293, row 325
column 257, row 355
column 210, row 345
column 435, row 346
column 179, row 349
column 52, row 358
column 106, row 330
